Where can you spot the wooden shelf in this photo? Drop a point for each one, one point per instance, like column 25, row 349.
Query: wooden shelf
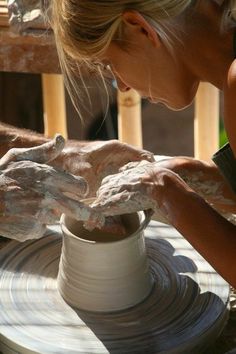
column 33, row 52
column 4, row 19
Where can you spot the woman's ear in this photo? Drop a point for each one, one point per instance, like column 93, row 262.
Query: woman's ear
column 137, row 23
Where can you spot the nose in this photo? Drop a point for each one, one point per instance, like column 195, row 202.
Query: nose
column 121, row 85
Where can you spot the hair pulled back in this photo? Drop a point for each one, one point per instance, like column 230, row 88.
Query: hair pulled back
column 84, row 28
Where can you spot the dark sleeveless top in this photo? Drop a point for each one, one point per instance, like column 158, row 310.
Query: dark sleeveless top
column 224, row 158
column 226, row 162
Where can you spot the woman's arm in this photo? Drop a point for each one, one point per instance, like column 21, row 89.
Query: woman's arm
column 12, row 137
column 229, row 91
column 147, row 185
column 208, row 232
column 206, row 180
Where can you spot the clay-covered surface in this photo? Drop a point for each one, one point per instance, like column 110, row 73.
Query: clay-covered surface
column 25, row 14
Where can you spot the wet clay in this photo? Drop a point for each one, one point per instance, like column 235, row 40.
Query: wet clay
column 25, row 14
column 123, row 227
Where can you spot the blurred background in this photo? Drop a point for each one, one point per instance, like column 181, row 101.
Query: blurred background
column 165, row 132
column 27, row 45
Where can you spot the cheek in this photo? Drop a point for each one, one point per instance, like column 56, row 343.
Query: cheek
column 132, row 72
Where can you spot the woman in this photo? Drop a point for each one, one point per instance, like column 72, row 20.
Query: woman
column 163, row 49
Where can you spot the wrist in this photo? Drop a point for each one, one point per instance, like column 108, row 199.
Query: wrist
column 172, row 195
column 72, row 158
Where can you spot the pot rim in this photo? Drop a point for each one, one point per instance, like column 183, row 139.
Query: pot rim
column 144, row 221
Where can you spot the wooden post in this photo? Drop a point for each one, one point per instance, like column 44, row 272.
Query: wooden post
column 206, row 122
column 4, row 18
column 54, row 105
column 129, row 118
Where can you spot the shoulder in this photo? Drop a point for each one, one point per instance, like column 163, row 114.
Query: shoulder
column 231, row 78
column 229, row 92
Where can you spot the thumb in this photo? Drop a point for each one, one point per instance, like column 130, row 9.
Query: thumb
column 40, row 154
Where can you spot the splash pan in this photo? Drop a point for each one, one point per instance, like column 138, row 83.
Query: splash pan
column 185, row 312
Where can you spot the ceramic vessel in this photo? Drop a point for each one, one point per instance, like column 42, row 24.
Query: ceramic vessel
column 104, row 272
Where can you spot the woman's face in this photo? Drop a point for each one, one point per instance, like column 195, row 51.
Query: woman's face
column 148, row 67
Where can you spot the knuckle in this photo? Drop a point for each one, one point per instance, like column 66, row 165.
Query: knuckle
column 14, row 151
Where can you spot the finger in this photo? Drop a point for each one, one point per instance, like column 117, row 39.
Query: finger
column 75, row 209
column 130, row 173
column 41, row 154
column 135, row 164
column 41, row 178
column 135, row 153
column 49, row 215
column 45, row 206
column 116, row 180
column 91, row 218
column 124, row 202
column 64, row 182
column 43, row 211
column 140, row 154
column 167, row 162
column 48, row 210
column 113, row 183
column 21, row 229
column 29, row 205
column 23, row 204
column 146, row 155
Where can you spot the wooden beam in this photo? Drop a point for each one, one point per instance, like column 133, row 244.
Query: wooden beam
column 32, row 53
column 206, row 122
column 4, row 18
column 129, row 118
column 54, row 105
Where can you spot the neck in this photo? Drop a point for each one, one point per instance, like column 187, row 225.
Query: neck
column 209, row 52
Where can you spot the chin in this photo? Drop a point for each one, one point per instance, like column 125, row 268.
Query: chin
column 184, row 102
column 179, row 106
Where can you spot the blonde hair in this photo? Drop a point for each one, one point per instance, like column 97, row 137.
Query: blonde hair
column 84, row 29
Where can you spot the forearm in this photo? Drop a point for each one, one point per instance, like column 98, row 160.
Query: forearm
column 208, row 232
column 11, row 136
column 15, row 137
column 207, row 181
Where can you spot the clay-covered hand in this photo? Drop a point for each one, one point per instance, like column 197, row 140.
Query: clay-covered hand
column 138, row 186
column 98, row 159
column 34, row 194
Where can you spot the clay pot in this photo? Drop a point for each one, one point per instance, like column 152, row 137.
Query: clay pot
column 102, row 272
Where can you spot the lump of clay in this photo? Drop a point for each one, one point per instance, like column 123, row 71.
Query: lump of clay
column 113, row 225
column 25, row 14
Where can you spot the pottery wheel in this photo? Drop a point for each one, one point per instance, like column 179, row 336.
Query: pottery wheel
column 184, row 313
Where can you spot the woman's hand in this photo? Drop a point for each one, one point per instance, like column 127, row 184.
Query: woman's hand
column 143, row 185
column 150, row 185
column 33, row 194
column 95, row 160
column 138, row 186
